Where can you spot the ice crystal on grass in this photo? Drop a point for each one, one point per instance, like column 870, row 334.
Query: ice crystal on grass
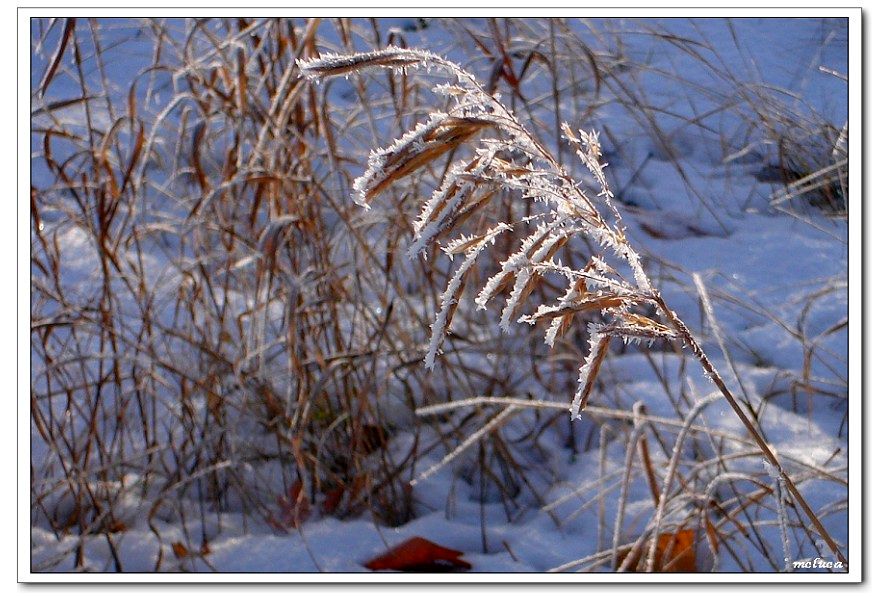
column 507, row 156
column 450, row 297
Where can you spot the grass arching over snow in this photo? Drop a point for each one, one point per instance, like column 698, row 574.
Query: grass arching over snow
column 308, row 323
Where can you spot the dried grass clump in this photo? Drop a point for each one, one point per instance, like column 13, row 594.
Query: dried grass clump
column 507, row 156
column 215, row 347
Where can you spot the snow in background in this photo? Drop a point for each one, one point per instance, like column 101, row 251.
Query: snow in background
column 774, row 280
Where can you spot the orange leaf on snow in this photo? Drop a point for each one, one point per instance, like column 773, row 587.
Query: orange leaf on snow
column 180, row 550
column 419, row 554
column 675, row 553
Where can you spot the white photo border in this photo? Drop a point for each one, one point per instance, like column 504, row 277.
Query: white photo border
column 856, row 292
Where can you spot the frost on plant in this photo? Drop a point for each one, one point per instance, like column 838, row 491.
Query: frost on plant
column 506, row 156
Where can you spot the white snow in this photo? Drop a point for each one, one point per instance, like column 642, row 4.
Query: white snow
column 779, row 288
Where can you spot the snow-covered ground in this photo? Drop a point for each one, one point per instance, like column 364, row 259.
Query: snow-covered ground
column 697, row 208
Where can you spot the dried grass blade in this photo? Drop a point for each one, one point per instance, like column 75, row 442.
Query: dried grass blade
column 600, row 343
column 69, row 27
column 333, row 65
column 434, row 144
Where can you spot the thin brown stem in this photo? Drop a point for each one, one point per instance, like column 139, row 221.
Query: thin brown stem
column 714, row 375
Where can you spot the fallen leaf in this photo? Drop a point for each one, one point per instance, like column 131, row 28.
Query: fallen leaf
column 419, row 555
column 675, row 553
column 180, row 550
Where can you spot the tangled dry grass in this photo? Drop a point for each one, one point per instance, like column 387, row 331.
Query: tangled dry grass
column 215, row 322
column 530, row 171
